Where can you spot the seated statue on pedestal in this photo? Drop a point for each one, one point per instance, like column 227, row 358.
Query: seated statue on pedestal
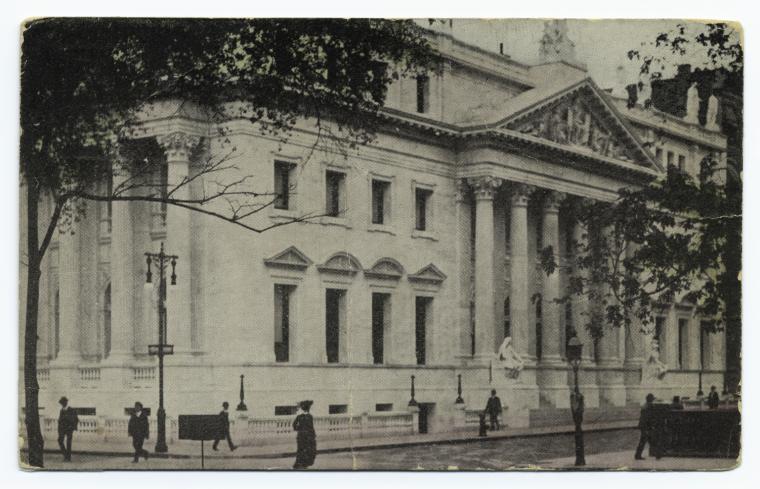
column 508, row 359
column 654, row 368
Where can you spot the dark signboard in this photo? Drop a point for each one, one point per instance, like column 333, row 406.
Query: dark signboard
column 201, row 427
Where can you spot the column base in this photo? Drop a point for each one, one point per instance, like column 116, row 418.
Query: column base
column 554, row 383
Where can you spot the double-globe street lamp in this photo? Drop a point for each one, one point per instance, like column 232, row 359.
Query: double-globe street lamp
column 574, row 353
column 161, row 260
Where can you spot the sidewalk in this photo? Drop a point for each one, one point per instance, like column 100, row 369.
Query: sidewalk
column 625, row 461
column 192, row 449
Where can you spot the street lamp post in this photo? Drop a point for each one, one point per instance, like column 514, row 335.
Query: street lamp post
column 574, row 352
column 161, row 260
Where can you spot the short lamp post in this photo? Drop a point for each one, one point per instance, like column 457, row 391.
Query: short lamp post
column 574, row 354
column 162, row 261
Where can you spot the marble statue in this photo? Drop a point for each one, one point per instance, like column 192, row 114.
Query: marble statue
column 654, row 368
column 692, row 104
column 508, row 359
column 712, row 114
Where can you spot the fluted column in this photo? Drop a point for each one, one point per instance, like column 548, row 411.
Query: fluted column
column 178, row 147
column 519, row 295
column 609, row 343
column 634, row 338
column 580, row 301
column 123, row 268
column 464, row 264
column 485, row 333
column 69, row 295
column 551, row 310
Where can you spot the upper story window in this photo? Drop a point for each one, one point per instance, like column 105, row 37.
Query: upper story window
column 335, row 193
column 682, row 162
column 423, row 94
column 422, row 208
column 658, row 154
column 381, row 196
column 283, row 178
column 671, row 158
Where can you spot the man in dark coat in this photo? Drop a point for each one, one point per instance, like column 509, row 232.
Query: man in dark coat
column 646, row 426
column 68, row 422
column 713, row 399
column 493, row 408
column 306, row 438
column 224, row 420
column 138, row 430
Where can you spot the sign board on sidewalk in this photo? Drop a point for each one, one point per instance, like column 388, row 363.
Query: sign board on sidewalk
column 201, row 427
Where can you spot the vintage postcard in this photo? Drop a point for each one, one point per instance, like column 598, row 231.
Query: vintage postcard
column 370, row 244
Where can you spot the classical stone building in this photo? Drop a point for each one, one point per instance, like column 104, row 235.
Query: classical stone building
column 424, row 260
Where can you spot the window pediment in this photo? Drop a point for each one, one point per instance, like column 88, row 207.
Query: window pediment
column 341, row 263
column 385, row 268
column 291, row 258
column 429, row 274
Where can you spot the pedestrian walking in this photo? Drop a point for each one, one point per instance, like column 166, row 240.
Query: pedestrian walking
column 139, row 431
column 494, row 409
column 646, row 427
column 68, row 423
column 224, row 420
column 306, row 438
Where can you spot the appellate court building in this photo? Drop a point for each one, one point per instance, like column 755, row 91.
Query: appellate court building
column 423, row 261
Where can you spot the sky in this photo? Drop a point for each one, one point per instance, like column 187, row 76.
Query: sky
column 601, row 44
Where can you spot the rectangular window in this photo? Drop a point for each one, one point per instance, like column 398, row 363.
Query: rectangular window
column 384, row 407
column 683, row 334
column 285, row 410
column 682, row 162
column 671, row 158
column 380, row 316
column 282, row 181
column 421, row 204
column 423, row 94
column 380, row 201
column 569, row 327
column 659, row 328
column 335, row 193
column 282, row 311
column 658, row 154
column 539, row 232
column 334, row 323
column 507, row 323
column 337, row 408
column 421, row 317
column 539, row 329
column 704, row 336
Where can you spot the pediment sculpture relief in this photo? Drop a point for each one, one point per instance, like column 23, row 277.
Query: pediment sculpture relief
column 571, row 123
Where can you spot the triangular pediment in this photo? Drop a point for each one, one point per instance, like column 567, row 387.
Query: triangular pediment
column 385, row 268
column 292, row 258
column 428, row 274
column 341, row 263
column 581, row 118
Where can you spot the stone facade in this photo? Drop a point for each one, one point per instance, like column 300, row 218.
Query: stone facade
column 492, row 180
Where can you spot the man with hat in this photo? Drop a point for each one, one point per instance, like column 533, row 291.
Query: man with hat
column 646, row 426
column 67, row 425
column 224, row 420
column 138, row 430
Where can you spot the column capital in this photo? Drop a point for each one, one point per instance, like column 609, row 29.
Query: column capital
column 520, row 194
column 178, row 145
column 553, row 200
column 462, row 189
column 485, row 187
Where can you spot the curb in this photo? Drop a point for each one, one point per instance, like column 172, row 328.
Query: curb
column 412, row 443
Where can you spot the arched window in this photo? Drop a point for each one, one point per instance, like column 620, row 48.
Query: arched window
column 56, row 324
column 107, row 322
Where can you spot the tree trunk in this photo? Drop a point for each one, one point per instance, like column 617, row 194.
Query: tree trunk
column 34, row 439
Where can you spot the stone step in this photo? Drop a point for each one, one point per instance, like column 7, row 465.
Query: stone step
column 562, row 416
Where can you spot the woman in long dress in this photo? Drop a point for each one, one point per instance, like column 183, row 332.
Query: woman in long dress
column 306, row 438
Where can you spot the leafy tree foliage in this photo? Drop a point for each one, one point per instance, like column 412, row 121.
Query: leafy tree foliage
column 85, row 83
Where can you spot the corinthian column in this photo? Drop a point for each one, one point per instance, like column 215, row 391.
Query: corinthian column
column 519, row 297
column 580, row 302
column 464, row 264
column 485, row 297
column 122, row 279
column 69, row 295
column 178, row 147
column 551, row 311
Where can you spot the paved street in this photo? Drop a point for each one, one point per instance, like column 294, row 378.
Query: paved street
column 603, row 450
